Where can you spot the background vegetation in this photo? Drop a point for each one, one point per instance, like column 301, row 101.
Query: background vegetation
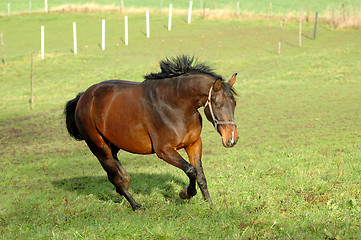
column 295, row 172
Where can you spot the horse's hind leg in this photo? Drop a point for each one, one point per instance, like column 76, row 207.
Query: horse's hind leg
column 116, row 173
column 125, row 175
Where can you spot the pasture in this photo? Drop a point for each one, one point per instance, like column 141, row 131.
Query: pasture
column 294, row 173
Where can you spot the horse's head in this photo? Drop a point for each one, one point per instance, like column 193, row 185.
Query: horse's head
column 219, row 110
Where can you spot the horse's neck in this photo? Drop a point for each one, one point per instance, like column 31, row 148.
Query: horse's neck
column 185, row 92
column 191, row 90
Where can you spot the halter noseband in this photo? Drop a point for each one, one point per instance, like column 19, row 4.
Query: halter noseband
column 216, row 122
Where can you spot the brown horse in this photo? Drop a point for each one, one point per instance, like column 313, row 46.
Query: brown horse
column 159, row 115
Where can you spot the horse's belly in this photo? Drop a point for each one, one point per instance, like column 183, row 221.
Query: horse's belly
column 133, row 141
column 127, row 132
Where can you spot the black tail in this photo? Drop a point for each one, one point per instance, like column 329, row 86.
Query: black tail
column 69, row 112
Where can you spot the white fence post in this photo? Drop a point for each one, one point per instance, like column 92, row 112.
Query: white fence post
column 147, row 23
column 103, row 34
column 42, row 42
column 9, row 9
column 46, row 6
column 190, row 12
column 126, row 30
column 170, row 18
column 74, row 37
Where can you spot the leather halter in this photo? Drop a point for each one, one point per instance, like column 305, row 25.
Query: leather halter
column 216, row 122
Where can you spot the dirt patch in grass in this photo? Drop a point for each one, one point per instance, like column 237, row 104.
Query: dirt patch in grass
column 35, row 134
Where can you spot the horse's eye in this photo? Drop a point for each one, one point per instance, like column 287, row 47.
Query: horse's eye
column 218, row 104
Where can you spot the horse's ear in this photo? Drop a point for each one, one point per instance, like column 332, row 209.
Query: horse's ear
column 217, row 85
column 232, row 80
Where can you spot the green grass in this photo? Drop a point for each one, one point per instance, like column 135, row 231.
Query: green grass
column 294, row 174
column 257, row 7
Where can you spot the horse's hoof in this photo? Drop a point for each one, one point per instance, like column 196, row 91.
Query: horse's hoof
column 138, row 207
column 184, row 194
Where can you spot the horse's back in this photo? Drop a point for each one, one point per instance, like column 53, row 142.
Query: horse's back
column 120, row 82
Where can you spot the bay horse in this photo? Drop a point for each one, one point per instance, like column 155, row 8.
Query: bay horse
column 159, row 115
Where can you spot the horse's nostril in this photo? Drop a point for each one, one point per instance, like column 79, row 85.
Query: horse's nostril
column 230, row 142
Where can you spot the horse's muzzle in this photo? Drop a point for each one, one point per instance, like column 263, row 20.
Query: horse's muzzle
column 230, row 142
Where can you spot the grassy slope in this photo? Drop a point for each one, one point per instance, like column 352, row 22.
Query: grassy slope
column 294, row 173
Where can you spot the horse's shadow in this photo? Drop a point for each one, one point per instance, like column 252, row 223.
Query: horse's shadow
column 141, row 183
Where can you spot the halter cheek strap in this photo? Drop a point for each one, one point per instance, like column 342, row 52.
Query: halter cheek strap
column 216, row 122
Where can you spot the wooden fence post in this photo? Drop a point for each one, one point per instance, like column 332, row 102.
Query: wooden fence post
column 308, row 14
column 31, row 80
column 315, row 29
column 121, row 6
column 280, row 41
column 3, row 49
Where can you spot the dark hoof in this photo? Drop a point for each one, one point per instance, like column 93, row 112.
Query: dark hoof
column 184, row 194
column 138, row 207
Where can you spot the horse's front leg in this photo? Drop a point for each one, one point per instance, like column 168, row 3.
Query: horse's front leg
column 171, row 156
column 194, row 152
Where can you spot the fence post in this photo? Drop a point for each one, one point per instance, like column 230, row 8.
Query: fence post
column 121, row 6
column 147, row 23
column 103, row 34
column 315, row 29
column 83, row 66
column 280, row 41
column 46, row 6
column 9, row 10
column 3, row 48
column 31, row 80
column 343, row 12
column 308, row 14
column 42, row 42
column 190, row 12
column 74, row 38
column 126, row 30
column 29, row 7
column 170, row 18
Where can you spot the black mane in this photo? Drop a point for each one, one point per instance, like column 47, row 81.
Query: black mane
column 181, row 65
column 177, row 66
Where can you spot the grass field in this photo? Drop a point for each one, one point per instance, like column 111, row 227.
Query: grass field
column 294, row 174
column 279, row 7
